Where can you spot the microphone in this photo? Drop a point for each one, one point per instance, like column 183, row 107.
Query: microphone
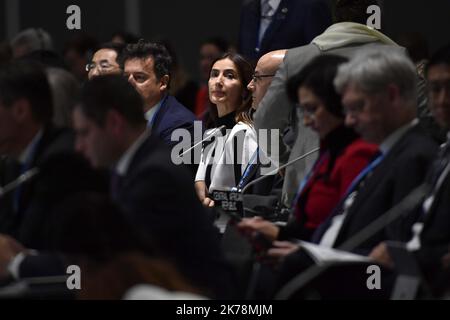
column 24, row 177
column 278, row 169
column 231, row 201
column 203, row 140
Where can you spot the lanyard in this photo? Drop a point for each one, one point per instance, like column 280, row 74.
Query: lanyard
column 247, row 170
column 310, row 174
column 23, row 168
column 363, row 174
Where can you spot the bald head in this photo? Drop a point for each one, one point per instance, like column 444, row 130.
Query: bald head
column 265, row 69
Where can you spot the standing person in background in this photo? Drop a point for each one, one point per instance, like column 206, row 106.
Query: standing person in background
column 268, row 25
column 276, row 111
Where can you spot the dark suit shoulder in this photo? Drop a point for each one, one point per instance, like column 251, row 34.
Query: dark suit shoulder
column 55, row 141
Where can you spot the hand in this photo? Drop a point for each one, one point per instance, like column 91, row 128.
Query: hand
column 208, row 202
column 258, row 224
column 9, row 248
column 282, row 249
column 202, row 191
column 381, row 255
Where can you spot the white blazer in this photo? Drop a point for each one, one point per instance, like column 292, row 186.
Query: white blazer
column 222, row 170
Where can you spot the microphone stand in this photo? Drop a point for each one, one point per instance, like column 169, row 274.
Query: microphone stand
column 278, row 169
column 203, row 140
column 24, row 177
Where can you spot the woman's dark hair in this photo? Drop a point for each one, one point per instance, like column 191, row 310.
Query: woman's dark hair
column 318, row 76
column 245, row 71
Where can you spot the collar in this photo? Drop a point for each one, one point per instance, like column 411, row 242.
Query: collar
column 229, row 120
column 151, row 113
column 394, row 137
column 26, row 154
column 343, row 34
column 273, row 4
column 125, row 160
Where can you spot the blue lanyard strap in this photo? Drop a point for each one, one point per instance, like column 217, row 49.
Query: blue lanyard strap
column 247, row 170
column 310, row 174
column 369, row 168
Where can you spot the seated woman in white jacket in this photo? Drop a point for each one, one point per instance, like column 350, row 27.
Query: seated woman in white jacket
column 227, row 154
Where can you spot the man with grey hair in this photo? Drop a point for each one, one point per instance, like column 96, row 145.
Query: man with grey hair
column 30, row 40
column 379, row 95
column 378, row 90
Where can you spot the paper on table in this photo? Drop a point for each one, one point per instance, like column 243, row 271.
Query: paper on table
column 321, row 254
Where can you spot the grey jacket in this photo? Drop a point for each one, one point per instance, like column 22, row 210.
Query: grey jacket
column 275, row 111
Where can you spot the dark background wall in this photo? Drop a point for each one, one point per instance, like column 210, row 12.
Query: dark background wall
column 187, row 23
column 430, row 17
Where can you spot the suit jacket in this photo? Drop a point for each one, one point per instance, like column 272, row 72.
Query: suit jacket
column 171, row 116
column 295, row 23
column 403, row 169
column 62, row 173
column 275, row 111
column 435, row 237
column 159, row 198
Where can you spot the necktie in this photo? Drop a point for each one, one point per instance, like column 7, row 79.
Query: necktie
column 266, row 18
column 440, row 163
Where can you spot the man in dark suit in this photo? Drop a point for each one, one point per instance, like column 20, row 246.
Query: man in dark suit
column 147, row 67
column 35, row 148
column 157, row 196
column 379, row 96
column 431, row 240
column 268, row 25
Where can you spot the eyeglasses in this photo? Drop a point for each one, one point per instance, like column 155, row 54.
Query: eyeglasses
column 102, row 66
column 306, row 111
column 258, row 77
